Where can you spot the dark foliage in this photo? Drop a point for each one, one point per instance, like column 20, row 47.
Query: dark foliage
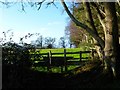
column 15, row 59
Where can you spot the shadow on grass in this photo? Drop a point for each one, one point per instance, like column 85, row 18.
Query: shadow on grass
column 87, row 76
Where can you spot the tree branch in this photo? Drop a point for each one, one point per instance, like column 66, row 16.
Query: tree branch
column 118, row 1
column 52, row 2
column 22, row 5
column 100, row 12
column 40, row 3
column 78, row 23
column 90, row 16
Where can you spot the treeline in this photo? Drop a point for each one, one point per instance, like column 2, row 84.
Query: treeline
column 41, row 41
column 49, row 42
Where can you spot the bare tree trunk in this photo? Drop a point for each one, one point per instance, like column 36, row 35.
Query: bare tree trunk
column 111, row 43
column 99, row 50
column 111, row 38
column 98, row 47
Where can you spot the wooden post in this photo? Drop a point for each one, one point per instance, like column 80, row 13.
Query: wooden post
column 61, row 68
column 48, row 64
column 80, row 56
column 65, row 60
column 50, row 56
column 92, row 52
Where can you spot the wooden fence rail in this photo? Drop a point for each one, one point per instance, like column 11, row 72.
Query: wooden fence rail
column 49, row 60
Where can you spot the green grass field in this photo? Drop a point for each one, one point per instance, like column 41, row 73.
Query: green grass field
column 61, row 50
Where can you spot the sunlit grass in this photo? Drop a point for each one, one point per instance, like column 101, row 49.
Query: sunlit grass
column 54, row 69
column 61, row 50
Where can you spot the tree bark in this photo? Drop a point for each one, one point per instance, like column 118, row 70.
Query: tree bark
column 111, row 43
column 111, row 39
column 98, row 47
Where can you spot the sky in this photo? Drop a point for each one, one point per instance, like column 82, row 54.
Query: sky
column 49, row 22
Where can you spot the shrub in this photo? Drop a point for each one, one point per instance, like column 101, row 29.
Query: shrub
column 15, row 59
